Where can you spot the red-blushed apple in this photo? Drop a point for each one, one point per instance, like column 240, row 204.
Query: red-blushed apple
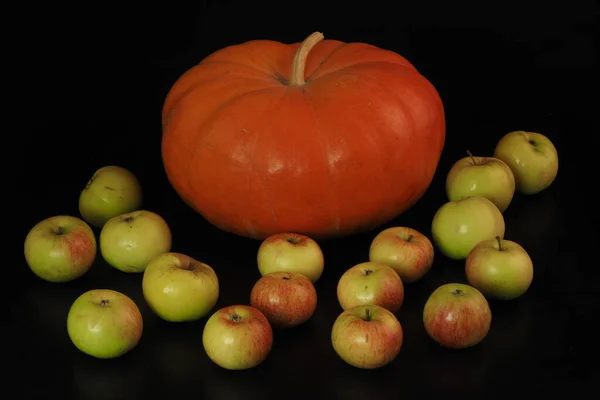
column 130, row 241
column 532, row 157
column 179, row 288
column 406, row 250
column 500, row 269
column 457, row 316
column 287, row 299
column 110, row 192
column 489, row 177
column 237, row 337
column 367, row 336
column 291, row 252
column 104, row 323
column 370, row 283
column 60, row 248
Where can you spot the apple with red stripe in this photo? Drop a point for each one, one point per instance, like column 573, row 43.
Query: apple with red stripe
column 287, row 299
column 60, row 248
column 370, row 283
column 457, row 316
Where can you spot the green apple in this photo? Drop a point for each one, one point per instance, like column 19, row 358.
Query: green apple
column 406, row 250
column 532, row 158
column 60, row 248
column 489, row 177
column 237, row 337
column 104, row 323
column 367, row 336
column 370, row 283
column 499, row 268
column 110, row 192
column 179, row 288
column 290, row 252
column 130, row 241
column 460, row 225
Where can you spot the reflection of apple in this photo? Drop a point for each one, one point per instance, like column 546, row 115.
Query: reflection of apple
column 457, row 316
column 370, row 283
column 287, row 299
column 367, row 336
column 111, row 191
column 291, row 252
column 60, row 248
column 532, row 158
column 130, row 241
column 237, row 337
column 178, row 288
column 459, row 225
column 500, row 269
column 104, row 323
column 406, row 250
column 489, row 177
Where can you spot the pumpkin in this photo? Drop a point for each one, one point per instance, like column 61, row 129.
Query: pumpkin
column 323, row 137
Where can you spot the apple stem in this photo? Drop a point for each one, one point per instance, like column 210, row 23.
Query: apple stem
column 60, row 230
column 472, row 157
column 368, row 314
column 458, row 292
column 409, row 238
column 368, row 272
column 128, row 219
column 104, row 303
column 499, row 243
column 236, row 318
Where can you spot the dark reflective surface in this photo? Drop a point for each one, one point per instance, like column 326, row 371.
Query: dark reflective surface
column 492, row 78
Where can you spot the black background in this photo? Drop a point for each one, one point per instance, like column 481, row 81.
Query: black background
column 90, row 85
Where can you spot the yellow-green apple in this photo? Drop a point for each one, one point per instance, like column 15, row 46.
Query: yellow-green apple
column 291, row 252
column 406, row 250
column 370, row 283
column 499, row 268
column 104, row 323
column 489, row 177
column 60, row 248
column 460, row 225
column 111, row 191
column 179, row 288
column 237, row 337
column 532, row 157
column 287, row 299
column 128, row 242
column 457, row 316
column 367, row 336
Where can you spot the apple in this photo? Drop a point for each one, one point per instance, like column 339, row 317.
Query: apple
column 406, row 250
column 291, row 252
column 287, row 299
column 104, row 323
column 460, row 225
column 457, row 316
column 179, row 288
column 532, row 157
column 370, row 283
column 237, row 337
column 60, row 248
column 367, row 336
column 128, row 242
column 500, row 269
column 489, row 177
column 111, row 191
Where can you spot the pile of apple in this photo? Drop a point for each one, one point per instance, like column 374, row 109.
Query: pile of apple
column 104, row 323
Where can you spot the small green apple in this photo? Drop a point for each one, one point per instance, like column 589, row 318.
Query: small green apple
column 532, row 158
column 110, row 192
column 489, row 177
column 500, row 269
column 179, row 288
column 130, row 241
column 460, row 225
column 60, row 248
column 104, row 323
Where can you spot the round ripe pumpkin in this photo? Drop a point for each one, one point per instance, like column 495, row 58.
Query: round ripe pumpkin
column 322, row 137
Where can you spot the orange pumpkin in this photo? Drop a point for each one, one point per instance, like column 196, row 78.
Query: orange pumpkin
column 322, row 137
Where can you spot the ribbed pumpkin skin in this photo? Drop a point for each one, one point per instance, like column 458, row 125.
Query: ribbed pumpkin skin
column 351, row 149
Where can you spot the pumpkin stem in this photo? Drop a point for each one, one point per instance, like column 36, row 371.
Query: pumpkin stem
column 299, row 65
